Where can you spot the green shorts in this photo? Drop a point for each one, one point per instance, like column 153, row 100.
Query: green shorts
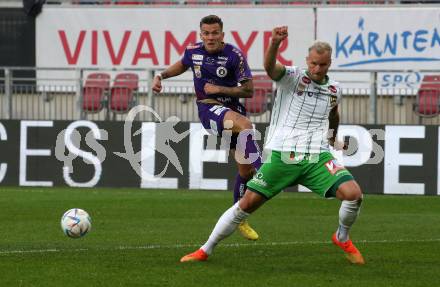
column 321, row 173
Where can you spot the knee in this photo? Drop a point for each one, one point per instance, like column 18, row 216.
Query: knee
column 246, row 171
column 251, row 201
column 350, row 191
column 244, row 124
column 245, row 205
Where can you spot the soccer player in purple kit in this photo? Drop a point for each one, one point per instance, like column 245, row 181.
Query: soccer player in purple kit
column 221, row 77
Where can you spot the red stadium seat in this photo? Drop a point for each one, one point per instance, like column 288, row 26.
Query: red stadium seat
column 94, row 92
column 428, row 96
column 122, row 97
column 263, row 90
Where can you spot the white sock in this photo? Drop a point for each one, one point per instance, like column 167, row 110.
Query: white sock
column 348, row 213
column 225, row 226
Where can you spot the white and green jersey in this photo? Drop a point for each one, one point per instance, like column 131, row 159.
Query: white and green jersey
column 300, row 113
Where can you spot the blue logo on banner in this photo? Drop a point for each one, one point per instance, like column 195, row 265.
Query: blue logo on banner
column 386, row 47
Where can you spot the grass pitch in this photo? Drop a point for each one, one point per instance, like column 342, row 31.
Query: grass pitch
column 138, row 237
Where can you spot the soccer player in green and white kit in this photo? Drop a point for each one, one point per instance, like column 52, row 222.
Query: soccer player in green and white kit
column 304, row 122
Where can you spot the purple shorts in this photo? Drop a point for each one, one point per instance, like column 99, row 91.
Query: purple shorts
column 212, row 115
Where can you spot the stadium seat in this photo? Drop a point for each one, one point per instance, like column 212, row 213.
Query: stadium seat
column 259, row 103
column 428, row 96
column 122, row 97
column 94, row 92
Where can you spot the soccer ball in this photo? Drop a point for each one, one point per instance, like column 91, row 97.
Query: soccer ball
column 75, row 223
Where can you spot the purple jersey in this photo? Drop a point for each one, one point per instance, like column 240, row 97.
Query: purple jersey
column 225, row 68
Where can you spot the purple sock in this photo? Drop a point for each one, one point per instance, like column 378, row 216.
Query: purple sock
column 240, row 187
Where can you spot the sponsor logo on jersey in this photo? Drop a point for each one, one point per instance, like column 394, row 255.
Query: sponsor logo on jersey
column 197, row 72
column 223, row 100
column 221, row 72
column 333, row 166
column 197, row 57
column 301, row 88
column 218, row 110
column 332, row 89
column 223, row 58
column 306, row 80
column 258, row 179
column 198, row 63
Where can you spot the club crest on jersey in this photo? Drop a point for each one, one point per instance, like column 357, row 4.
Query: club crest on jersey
column 221, row 72
column 332, row 89
column 210, row 61
column 306, row 80
column 197, row 72
column 197, row 57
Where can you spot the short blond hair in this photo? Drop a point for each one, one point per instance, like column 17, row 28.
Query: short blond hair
column 321, row 47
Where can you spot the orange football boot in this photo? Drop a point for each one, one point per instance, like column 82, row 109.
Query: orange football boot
column 198, row 255
column 351, row 252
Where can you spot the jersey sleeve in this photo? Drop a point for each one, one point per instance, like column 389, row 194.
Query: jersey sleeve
column 241, row 67
column 186, row 59
column 290, row 74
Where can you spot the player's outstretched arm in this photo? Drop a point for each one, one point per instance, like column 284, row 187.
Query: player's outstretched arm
column 245, row 90
column 273, row 69
column 172, row 71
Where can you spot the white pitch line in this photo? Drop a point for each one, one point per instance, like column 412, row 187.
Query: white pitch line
column 236, row 245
